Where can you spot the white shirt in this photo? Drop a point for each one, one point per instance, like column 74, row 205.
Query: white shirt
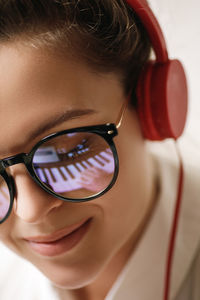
column 143, row 276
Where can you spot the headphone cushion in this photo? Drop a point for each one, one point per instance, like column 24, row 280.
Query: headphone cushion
column 162, row 100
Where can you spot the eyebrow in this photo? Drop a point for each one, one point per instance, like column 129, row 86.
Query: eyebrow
column 59, row 119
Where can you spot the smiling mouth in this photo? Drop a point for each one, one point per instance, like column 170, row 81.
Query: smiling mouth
column 60, row 242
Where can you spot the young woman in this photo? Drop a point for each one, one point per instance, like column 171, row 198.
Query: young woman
column 84, row 198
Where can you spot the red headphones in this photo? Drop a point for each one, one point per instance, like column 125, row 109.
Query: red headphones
column 162, row 88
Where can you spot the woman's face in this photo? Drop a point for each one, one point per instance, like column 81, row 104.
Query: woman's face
column 37, row 88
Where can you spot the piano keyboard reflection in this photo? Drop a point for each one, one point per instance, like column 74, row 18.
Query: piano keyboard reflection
column 64, row 178
column 4, row 201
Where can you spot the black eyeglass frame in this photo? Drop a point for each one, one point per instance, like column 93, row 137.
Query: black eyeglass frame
column 106, row 131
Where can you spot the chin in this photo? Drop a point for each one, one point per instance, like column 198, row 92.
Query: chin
column 75, row 280
column 73, row 277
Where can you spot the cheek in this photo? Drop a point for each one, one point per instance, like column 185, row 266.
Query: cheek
column 127, row 201
column 6, row 237
column 6, row 229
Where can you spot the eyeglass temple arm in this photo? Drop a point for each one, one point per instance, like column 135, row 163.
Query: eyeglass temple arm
column 122, row 111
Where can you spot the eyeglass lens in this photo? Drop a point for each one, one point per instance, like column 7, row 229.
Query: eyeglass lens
column 4, row 199
column 75, row 165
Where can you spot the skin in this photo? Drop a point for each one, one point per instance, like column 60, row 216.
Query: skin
column 37, row 85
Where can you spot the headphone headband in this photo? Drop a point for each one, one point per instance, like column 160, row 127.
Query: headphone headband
column 152, row 27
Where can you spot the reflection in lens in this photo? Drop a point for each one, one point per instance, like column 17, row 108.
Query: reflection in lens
column 4, row 198
column 75, row 165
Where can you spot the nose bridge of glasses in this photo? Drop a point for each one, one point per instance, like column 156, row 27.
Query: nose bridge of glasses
column 13, row 160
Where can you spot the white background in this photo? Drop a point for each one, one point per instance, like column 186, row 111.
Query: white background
column 180, row 22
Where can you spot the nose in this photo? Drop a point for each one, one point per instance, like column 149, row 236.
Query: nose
column 31, row 204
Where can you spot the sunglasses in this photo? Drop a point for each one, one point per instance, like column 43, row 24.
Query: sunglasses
column 75, row 165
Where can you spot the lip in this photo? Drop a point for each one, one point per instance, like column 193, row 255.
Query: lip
column 55, row 235
column 60, row 241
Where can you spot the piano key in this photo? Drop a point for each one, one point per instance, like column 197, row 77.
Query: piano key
column 62, row 174
column 41, row 175
column 100, row 159
column 48, row 175
column 106, row 155
column 71, row 176
column 77, row 166
column 95, row 163
column 81, row 167
column 57, row 175
column 51, row 171
column 87, row 164
column 66, row 174
column 74, row 170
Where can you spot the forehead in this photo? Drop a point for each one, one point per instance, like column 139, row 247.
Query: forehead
column 36, row 85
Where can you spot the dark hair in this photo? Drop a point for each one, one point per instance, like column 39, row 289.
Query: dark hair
column 105, row 33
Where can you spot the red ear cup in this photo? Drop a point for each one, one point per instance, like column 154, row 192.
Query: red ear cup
column 162, row 100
